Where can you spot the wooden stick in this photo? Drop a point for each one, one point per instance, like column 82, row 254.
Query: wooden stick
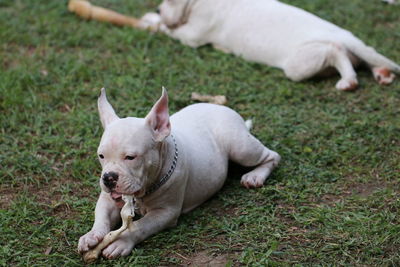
column 215, row 99
column 127, row 214
column 86, row 10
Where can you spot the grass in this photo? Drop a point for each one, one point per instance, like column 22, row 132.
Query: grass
column 333, row 200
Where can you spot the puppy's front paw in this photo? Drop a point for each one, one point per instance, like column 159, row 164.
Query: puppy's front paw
column 120, row 247
column 90, row 240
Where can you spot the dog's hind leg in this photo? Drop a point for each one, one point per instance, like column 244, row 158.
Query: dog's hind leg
column 313, row 58
column 381, row 66
column 248, row 151
column 383, row 75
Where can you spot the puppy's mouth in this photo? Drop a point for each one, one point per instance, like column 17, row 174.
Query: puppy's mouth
column 116, row 196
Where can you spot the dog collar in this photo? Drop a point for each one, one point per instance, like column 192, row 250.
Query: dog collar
column 185, row 15
column 166, row 176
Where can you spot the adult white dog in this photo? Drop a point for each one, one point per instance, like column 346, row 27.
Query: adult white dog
column 272, row 33
column 170, row 166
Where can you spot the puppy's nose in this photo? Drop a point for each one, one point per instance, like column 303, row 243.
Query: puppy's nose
column 158, row 10
column 110, row 179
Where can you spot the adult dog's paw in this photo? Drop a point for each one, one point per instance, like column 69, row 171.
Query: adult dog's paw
column 383, row 75
column 252, row 180
column 347, row 84
column 150, row 21
column 90, row 240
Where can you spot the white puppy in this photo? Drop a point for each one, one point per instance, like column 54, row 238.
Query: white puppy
column 272, row 33
column 170, row 165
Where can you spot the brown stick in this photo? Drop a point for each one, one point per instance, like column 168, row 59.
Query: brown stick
column 215, row 99
column 88, row 11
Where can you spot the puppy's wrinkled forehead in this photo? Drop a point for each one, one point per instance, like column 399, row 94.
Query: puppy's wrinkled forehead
column 126, row 134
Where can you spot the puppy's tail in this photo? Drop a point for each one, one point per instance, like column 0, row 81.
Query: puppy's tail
column 249, row 124
column 370, row 56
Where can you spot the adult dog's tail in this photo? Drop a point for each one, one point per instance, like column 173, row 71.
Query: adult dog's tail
column 370, row 56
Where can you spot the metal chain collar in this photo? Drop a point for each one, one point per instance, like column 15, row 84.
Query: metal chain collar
column 168, row 175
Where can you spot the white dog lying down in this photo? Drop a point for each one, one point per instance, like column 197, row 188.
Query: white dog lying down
column 273, row 33
column 169, row 166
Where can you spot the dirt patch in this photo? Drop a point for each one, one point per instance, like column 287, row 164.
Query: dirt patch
column 216, row 208
column 49, row 196
column 52, row 197
column 295, row 232
column 6, row 198
column 24, row 51
column 329, row 199
column 352, row 188
column 367, row 189
column 205, row 259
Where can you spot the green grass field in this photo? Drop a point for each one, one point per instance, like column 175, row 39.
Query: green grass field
column 333, row 201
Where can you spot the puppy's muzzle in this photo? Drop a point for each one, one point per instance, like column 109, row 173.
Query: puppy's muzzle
column 110, row 179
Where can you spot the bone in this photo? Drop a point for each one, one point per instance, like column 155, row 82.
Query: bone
column 215, row 99
column 127, row 214
column 86, row 10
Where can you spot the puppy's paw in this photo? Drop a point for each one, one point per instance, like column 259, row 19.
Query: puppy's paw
column 252, row 180
column 347, row 84
column 90, row 240
column 121, row 247
column 383, row 75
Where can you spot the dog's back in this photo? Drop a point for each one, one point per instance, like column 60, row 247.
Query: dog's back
column 207, row 131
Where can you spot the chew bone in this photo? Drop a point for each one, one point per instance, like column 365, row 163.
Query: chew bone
column 127, row 214
column 215, row 99
column 86, row 10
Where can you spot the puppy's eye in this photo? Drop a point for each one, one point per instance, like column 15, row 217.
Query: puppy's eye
column 101, row 156
column 130, row 157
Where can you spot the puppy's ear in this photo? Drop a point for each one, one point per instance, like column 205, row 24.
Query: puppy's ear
column 158, row 118
column 106, row 111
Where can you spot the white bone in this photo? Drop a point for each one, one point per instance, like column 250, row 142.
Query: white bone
column 127, row 214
